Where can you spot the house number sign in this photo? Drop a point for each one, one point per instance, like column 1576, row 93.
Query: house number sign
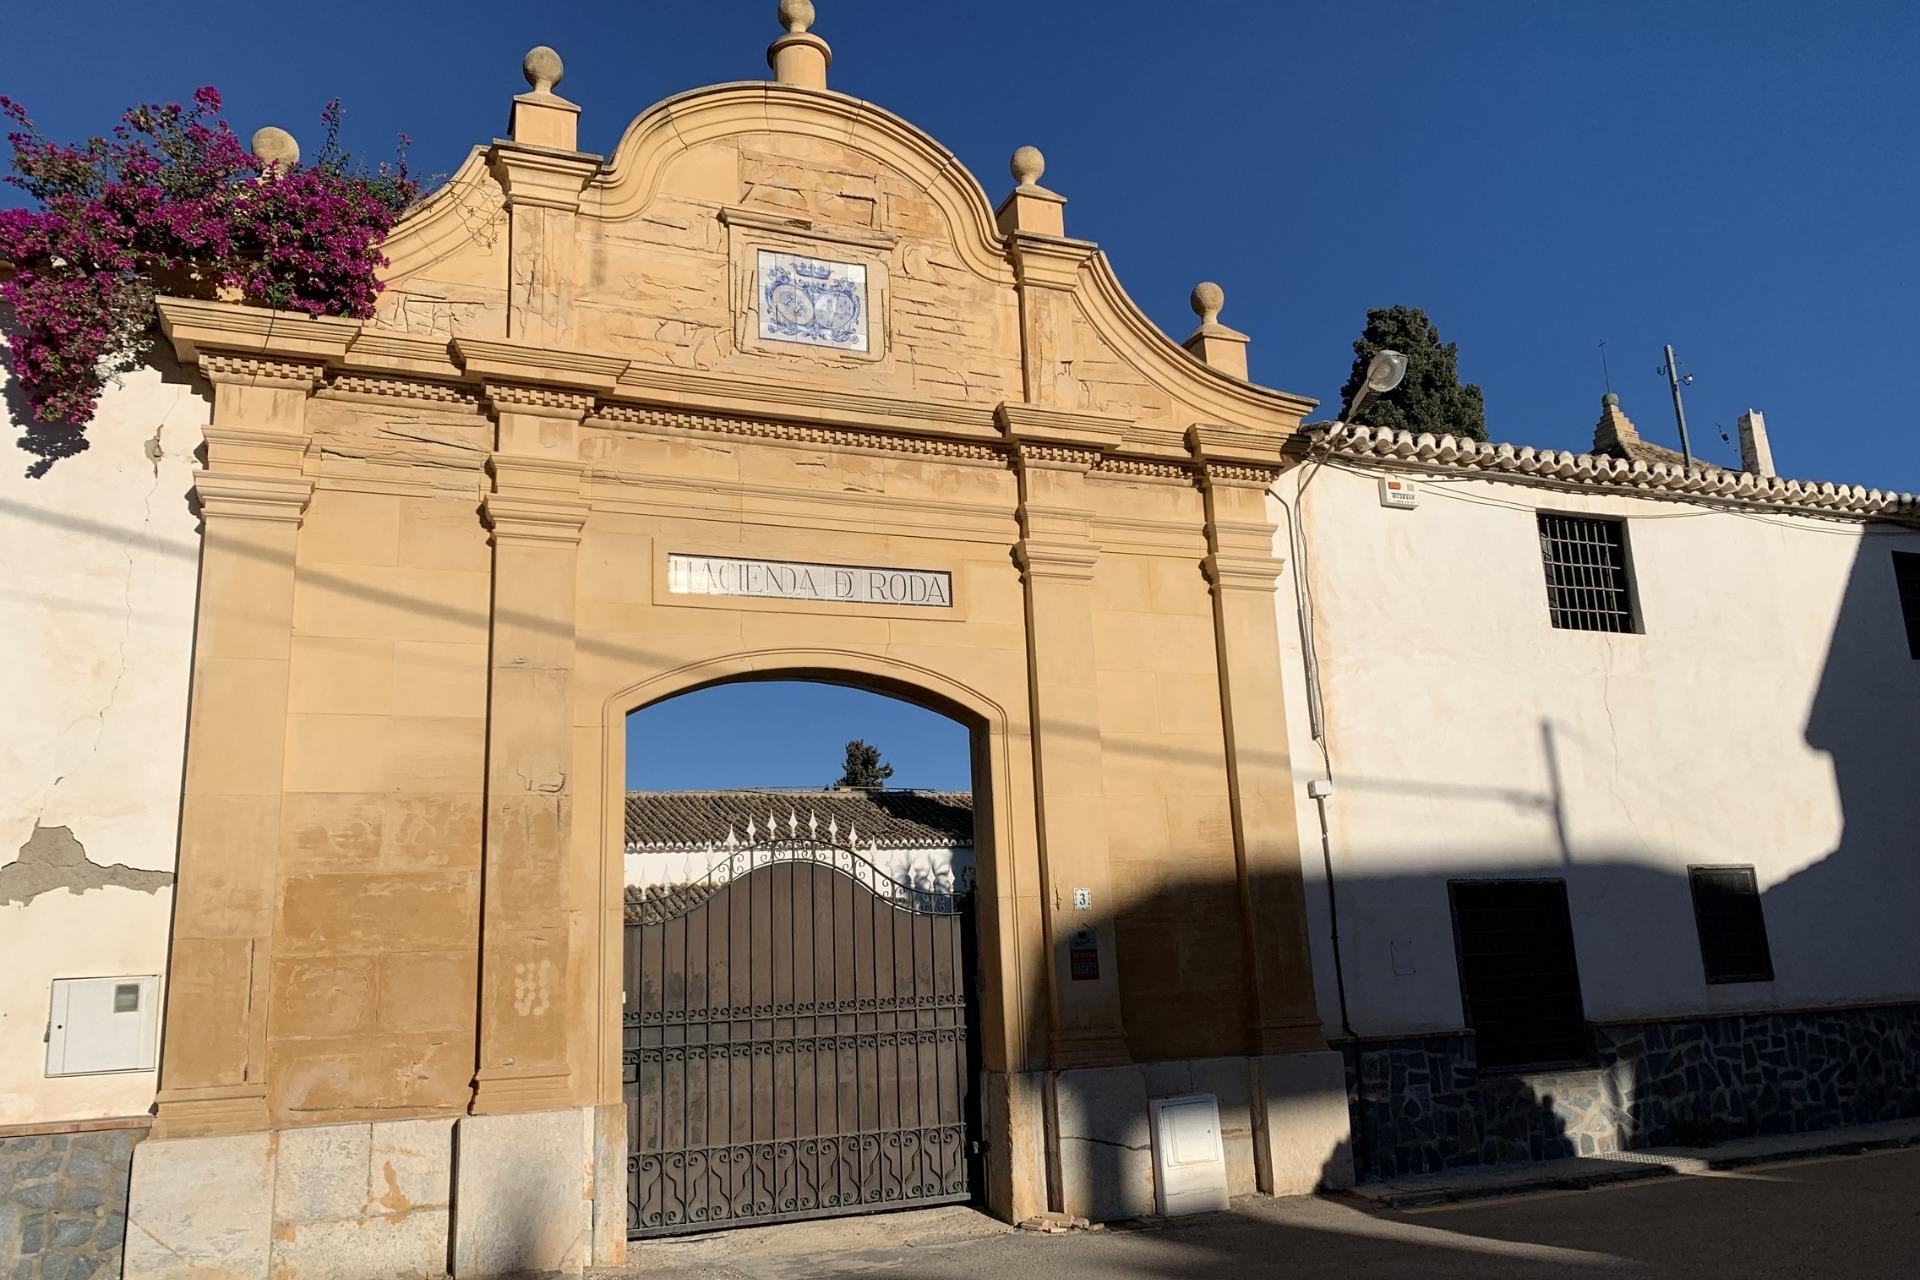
column 691, row 575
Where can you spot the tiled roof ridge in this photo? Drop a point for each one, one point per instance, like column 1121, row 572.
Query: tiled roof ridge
column 886, row 818
column 1705, row 483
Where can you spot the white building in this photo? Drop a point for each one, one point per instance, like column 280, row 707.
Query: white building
column 96, row 620
column 1684, row 705
column 921, row 839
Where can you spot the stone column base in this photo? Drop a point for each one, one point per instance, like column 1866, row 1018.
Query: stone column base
column 353, row 1199
column 523, row 1193
column 1100, row 1153
column 1303, row 1140
column 387, row 1198
column 1014, row 1118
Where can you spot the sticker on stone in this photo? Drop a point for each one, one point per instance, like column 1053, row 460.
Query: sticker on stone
column 807, row 300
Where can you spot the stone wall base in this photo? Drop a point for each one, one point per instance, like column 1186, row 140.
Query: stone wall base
column 472, row 1196
column 1421, row 1104
column 63, row 1201
column 1283, row 1127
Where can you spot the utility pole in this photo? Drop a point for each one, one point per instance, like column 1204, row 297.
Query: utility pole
column 1679, row 410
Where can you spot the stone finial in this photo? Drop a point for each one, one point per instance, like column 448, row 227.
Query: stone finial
column 542, row 68
column 796, row 16
column 275, row 148
column 1214, row 343
column 1027, row 165
column 799, row 57
column 541, row 117
column 1207, row 300
column 1031, row 208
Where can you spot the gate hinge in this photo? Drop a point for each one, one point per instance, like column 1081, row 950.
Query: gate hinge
column 977, row 1146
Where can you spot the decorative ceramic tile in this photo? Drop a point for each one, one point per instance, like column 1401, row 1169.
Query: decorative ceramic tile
column 807, row 300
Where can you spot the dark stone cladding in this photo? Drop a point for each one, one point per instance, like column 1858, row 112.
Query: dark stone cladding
column 63, row 1203
column 1421, row 1104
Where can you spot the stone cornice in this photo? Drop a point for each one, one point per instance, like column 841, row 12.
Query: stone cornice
column 277, row 499
column 1030, row 426
column 745, row 396
column 527, row 518
column 225, row 369
column 793, row 433
column 495, row 360
column 193, row 325
column 1713, row 486
column 541, row 175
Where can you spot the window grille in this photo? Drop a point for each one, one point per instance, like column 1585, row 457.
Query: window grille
column 1586, row 564
column 1733, row 932
column 1518, row 978
column 1906, row 574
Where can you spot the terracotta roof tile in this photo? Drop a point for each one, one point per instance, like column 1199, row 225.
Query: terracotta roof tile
column 897, row 819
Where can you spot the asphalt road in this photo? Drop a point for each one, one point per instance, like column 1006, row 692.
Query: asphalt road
column 1854, row 1216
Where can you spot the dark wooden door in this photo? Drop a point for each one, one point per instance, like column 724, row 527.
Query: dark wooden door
column 796, row 1044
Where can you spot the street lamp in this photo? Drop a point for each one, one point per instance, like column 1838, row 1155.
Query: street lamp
column 1384, row 373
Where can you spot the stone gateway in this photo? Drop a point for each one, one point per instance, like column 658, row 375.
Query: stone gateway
column 771, row 390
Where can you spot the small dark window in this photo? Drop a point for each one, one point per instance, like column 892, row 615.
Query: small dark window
column 1586, row 564
column 1906, row 574
column 1733, row 932
column 1517, row 972
column 126, row 997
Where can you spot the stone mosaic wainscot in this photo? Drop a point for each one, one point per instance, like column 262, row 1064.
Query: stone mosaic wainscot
column 1421, row 1104
column 63, row 1204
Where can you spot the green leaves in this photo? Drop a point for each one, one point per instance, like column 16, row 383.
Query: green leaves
column 1431, row 397
column 863, row 767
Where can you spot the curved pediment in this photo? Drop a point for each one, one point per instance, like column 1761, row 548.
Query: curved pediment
column 780, row 234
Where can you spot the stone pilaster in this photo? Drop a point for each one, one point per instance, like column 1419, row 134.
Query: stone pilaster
column 542, row 186
column 536, row 514
column 1048, row 269
column 252, row 495
column 1057, row 552
column 1237, row 467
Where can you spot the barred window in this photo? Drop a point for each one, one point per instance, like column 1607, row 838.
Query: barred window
column 1733, row 932
column 1906, row 575
column 1518, row 978
column 1586, row 564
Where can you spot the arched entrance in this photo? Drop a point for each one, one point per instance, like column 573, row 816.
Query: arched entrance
column 809, row 1025
column 797, row 1039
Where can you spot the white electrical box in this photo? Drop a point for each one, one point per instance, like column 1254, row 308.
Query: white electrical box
column 1189, row 1161
column 98, row 1025
column 1398, row 493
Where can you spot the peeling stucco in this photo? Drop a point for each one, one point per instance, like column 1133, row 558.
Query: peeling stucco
column 53, row 859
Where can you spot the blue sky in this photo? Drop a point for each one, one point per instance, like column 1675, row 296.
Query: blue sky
column 787, row 733
column 1738, row 179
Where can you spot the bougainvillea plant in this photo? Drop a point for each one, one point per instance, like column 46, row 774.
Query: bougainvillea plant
column 171, row 203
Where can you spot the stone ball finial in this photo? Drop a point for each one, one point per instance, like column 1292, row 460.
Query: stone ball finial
column 1610, row 400
column 1027, row 165
column 796, row 15
column 1207, row 300
column 275, row 148
column 542, row 68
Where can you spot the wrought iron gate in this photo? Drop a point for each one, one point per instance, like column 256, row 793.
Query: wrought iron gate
column 796, row 1043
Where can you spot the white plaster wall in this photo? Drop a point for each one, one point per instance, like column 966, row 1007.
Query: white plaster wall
column 96, row 620
column 919, row 868
column 1770, row 715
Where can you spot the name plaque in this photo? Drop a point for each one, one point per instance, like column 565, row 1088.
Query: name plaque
column 690, row 575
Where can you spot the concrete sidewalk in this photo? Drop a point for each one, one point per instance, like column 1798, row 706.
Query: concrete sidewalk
column 1580, row 1172
column 1849, row 1216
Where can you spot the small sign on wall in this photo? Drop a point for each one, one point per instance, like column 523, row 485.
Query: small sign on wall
column 697, row 575
column 1398, row 494
column 1083, row 955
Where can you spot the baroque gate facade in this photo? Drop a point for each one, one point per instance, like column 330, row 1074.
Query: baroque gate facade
column 776, row 334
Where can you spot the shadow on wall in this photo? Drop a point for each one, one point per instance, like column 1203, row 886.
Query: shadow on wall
column 1833, row 1040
